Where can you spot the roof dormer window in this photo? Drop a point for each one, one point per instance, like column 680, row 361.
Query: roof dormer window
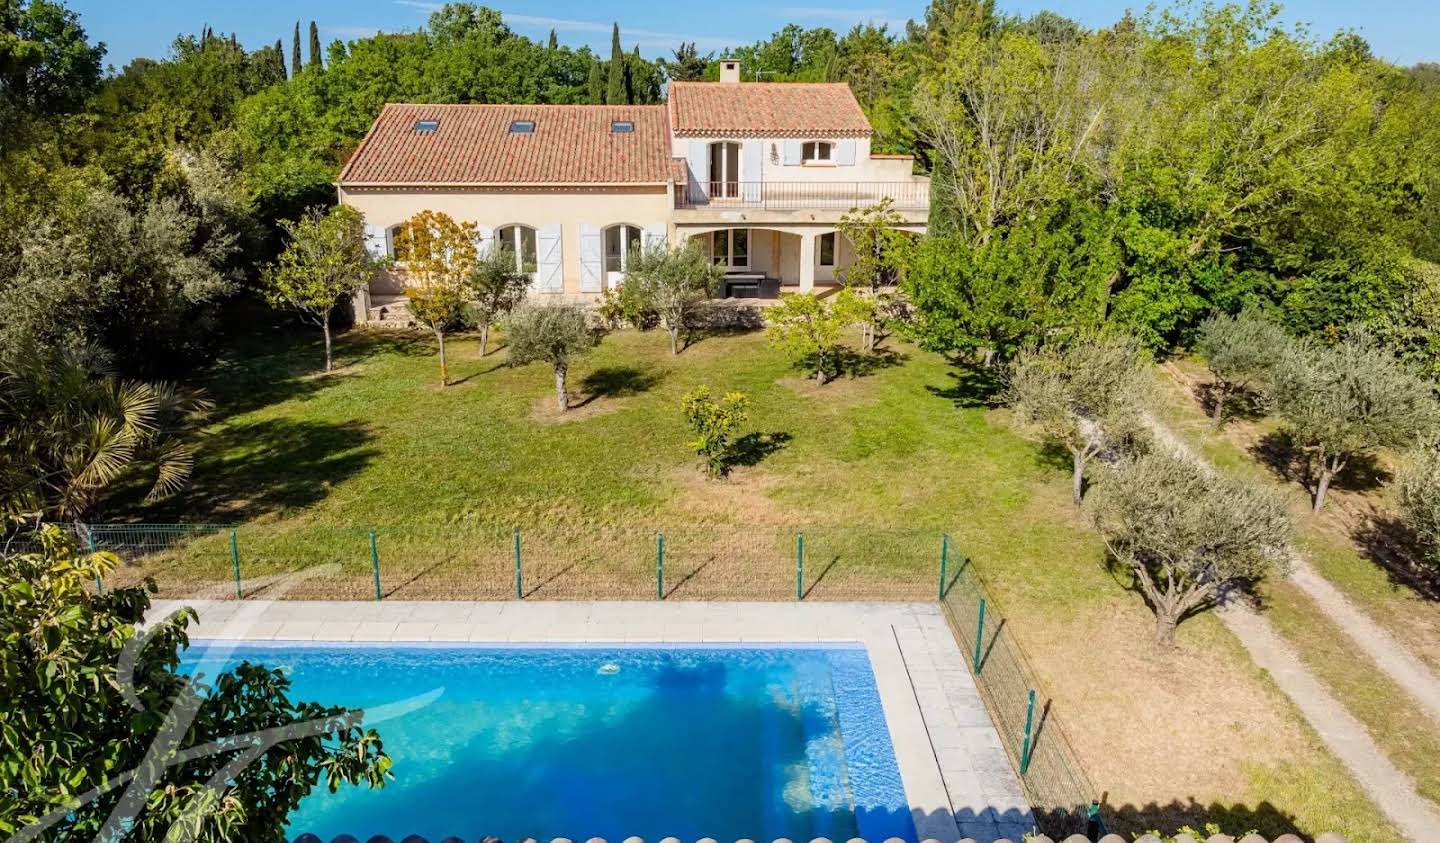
column 522, row 127
column 427, row 127
column 622, row 126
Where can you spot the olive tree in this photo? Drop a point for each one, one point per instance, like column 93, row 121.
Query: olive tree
column 554, row 333
column 324, row 259
column 89, row 698
column 673, row 284
column 496, row 288
column 437, row 256
column 714, row 422
column 1087, row 396
column 880, row 251
column 1241, row 352
column 809, row 330
column 1188, row 536
column 1419, row 496
column 1343, row 402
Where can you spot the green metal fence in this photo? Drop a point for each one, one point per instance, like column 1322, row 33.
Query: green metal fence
column 479, row 562
column 1055, row 783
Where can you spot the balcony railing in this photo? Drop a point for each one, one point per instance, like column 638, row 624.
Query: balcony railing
column 802, row 196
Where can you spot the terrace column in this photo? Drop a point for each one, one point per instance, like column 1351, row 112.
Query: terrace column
column 807, row 262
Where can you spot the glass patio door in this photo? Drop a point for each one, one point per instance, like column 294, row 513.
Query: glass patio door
column 731, row 248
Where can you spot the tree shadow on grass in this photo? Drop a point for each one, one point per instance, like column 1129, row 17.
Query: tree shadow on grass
column 858, row 364
column 1235, row 819
column 1279, row 452
column 972, row 386
column 618, row 382
column 753, row 448
column 253, row 469
column 1396, row 549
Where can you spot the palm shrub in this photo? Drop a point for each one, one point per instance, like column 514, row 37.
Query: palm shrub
column 714, row 423
column 1242, row 352
column 70, row 428
column 1186, row 535
column 1088, row 396
column 557, row 334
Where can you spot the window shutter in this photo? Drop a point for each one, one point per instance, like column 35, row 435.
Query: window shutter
column 699, row 170
column 750, row 164
column 590, row 258
column 655, row 235
column 549, row 266
column 377, row 241
column 845, row 153
column 792, row 153
column 484, row 239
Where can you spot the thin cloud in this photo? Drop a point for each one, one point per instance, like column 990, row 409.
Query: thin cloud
column 644, row 37
column 849, row 16
column 352, row 31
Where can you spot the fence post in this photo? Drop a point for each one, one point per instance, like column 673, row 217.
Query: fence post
column 800, row 566
column 944, row 559
column 375, row 563
column 235, row 563
column 519, row 578
column 979, row 635
column 90, row 543
column 1029, row 721
column 659, row 566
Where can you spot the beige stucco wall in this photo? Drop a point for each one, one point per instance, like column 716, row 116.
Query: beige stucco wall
column 773, row 167
column 535, row 206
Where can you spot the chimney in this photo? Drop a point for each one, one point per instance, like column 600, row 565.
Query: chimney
column 729, row 70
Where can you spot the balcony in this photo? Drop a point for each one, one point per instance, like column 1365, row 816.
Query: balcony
column 802, row 195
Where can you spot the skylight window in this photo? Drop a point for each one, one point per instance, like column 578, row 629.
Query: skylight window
column 622, row 126
column 426, row 127
column 522, row 127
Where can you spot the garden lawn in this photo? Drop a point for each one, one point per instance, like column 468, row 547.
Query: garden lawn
column 871, row 468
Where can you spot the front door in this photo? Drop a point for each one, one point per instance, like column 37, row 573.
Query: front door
column 731, row 248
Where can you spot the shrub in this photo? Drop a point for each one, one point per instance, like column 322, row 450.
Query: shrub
column 1242, row 353
column 714, row 423
column 556, row 334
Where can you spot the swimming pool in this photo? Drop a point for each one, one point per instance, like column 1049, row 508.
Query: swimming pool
column 607, row 741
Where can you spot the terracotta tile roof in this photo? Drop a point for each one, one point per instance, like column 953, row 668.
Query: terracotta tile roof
column 571, row 144
column 773, row 109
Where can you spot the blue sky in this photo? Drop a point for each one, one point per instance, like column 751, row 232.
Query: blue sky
column 1404, row 31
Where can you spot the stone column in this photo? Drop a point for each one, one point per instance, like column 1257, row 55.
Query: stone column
column 807, row 262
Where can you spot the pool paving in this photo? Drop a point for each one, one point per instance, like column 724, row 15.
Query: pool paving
column 957, row 777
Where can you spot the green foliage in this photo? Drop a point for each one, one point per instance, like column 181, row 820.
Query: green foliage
column 809, row 330
column 687, row 65
column 672, row 284
column 1344, row 402
column 1086, row 395
column 1042, row 277
column 47, row 65
column 73, row 720
column 324, row 260
column 495, row 288
column 1188, row 535
column 70, row 429
column 556, row 334
column 714, row 423
column 315, row 60
column 1418, row 493
column 1242, row 352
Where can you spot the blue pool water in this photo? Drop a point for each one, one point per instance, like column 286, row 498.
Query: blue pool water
column 579, row 742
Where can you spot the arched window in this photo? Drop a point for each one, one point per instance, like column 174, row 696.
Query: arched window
column 817, row 152
column 724, row 170
column 621, row 242
column 520, row 240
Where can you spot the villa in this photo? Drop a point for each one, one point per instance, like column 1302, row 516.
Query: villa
column 761, row 172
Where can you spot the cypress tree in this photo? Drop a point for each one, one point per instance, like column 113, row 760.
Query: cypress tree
column 315, row 45
column 595, row 85
column 615, row 87
column 554, row 42
column 634, row 81
column 279, row 57
column 295, row 52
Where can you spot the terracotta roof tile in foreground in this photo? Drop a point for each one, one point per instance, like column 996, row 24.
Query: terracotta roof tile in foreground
column 473, row 145
column 773, row 109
